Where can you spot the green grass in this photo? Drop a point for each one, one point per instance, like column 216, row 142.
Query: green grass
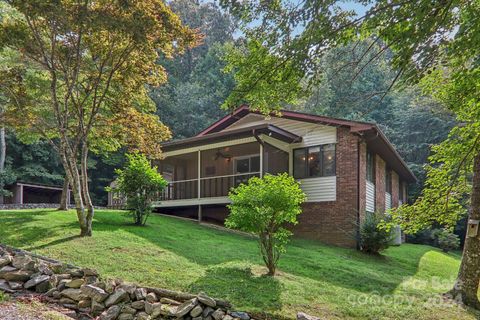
column 330, row 282
column 3, row 297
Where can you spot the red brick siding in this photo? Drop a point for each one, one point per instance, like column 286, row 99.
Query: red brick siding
column 379, row 184
column 334, row 222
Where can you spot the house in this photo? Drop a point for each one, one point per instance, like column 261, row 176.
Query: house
column 33, row 193
column 346, row 168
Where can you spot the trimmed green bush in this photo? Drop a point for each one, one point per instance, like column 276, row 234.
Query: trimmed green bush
column 140, row 183
column 264, row 206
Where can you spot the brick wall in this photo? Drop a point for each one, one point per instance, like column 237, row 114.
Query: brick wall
column 379, row 184
column 334, row 222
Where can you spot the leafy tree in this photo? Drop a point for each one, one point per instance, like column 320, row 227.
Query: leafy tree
column 434, row 42
column 86, row 90
column 264, row 206
column 140, row 183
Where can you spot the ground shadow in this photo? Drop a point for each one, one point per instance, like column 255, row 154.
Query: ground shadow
column 242, row 286
column 30, row 232
column 52, row 243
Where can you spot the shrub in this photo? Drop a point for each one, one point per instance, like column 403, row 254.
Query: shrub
column 140, row 183
column 264, row 206
column 445, row 240
column 373, row 238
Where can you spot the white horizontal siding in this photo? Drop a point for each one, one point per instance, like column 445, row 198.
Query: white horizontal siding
column 311, row 133
column 388, row 201
column 370, row 203
column 319, row 189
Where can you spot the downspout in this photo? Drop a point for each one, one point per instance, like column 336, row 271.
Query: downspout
column 358, row 195
column 258, row 138
column 262, row 147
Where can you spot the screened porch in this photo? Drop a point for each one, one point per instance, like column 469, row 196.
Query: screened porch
column 211, row 173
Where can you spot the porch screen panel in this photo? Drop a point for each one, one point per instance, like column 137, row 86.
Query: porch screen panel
column 226, row 167
column 181, row 171
column 274, row 160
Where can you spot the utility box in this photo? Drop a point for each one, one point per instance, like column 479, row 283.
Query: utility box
column 472, row 229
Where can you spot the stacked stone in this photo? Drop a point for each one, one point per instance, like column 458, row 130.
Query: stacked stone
column 85, row 292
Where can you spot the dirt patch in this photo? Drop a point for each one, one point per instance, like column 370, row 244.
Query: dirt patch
column 31, row 308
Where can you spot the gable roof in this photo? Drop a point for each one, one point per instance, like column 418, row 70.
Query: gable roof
column 251, row 131
column 376, row 141
column 244, row 110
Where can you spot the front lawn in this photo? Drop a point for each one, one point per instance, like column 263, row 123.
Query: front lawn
column 329, row 282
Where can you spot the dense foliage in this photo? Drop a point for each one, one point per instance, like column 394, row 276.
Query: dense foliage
column 196, row 85
column 264, row 206
column 140, row 184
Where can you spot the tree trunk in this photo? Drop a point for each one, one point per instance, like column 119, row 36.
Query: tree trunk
column 267, row 249
column 65, row 195
column 70, row 164
column 468, row 280
column 3, row 149
column 3, row 156
column 85, row 191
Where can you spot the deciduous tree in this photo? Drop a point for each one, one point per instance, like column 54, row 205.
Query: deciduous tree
column 89, row 66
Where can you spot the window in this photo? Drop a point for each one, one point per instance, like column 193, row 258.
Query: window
column 299, row 163
column 388, row 181
column 317, row 161
column 370, row 167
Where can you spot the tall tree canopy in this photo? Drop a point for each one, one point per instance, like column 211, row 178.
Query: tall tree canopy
column 85, row 87
column 196, row 85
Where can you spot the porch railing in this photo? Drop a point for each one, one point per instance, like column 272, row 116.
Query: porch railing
column 218, row 186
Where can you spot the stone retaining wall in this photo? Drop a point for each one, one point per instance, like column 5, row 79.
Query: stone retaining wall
column 17, row 206
column 84, row 291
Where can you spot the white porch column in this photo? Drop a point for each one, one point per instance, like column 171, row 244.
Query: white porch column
column 199, row 173
column 261, row 160
column 199, row 184
column 21, row 194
